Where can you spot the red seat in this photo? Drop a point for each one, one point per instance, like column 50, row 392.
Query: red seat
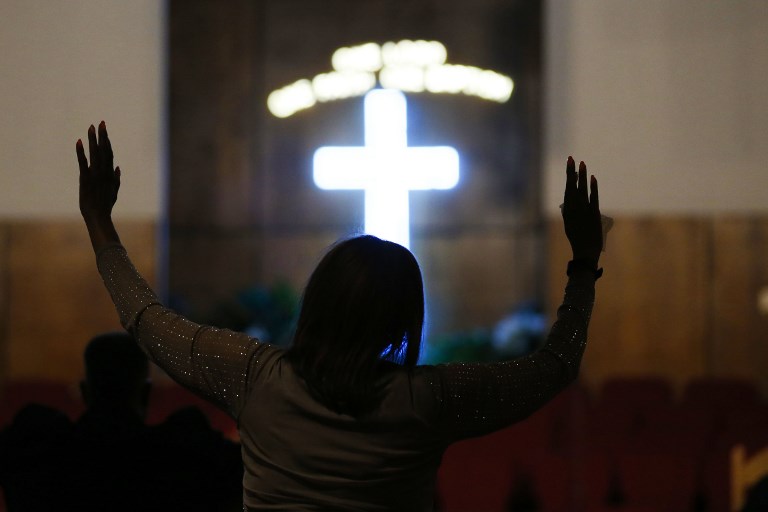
column 164, row 400
column 712, row 400
column 556, row 427
column 640, row 392
column 63, row 397
column 716, row 479
column 625, row 407
column 570, row 421
column 475, row 475
column 533, row 456
column 597, row 483
column 551, row 477
column 626, row 404
column 747, row 426
column 664, row 481
column 721, row 393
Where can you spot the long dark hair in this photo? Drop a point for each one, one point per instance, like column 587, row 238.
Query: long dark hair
column 362, row 310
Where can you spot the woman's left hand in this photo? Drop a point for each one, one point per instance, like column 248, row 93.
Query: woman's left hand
column 99, row 181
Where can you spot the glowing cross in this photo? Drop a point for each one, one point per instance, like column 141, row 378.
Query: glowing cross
column 386, row 168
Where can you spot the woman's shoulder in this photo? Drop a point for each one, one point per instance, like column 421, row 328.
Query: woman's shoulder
column 265, row 360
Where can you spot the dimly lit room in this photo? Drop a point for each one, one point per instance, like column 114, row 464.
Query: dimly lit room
column 424, row 174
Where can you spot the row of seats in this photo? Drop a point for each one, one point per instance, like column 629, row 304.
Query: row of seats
column 164, row 399
column 633, row 446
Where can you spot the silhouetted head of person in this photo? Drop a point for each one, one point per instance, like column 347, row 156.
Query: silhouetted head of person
column 116, row 375
column 362, row 311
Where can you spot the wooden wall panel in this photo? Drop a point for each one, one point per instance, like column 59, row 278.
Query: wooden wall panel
column 740, row 272
column 291, row 258
column 55, row 297
column 242, row 203
column 212, row 112
column 471, row 281
column 4, row 295
column 475, row 280
column 215, row 103
column 651, row 314
column 678, row 298
column 210, row 266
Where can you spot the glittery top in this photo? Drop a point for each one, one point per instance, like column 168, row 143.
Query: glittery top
column 299, row 455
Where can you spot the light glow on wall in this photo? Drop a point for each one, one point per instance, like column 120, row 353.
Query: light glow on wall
column 411, row 66
column 386, row 168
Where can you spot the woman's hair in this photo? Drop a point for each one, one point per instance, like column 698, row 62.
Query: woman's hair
column 363, row 307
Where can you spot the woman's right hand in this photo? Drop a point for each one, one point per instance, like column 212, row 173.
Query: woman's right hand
column 581, row 214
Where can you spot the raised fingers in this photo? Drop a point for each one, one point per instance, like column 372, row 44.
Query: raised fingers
column 570, row 178
column 105, row 147
column 594, row 198
column 583, row 181
column 81, row 160
column 93, row 148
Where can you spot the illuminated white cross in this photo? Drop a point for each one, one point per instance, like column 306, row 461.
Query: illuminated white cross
column 386, row 168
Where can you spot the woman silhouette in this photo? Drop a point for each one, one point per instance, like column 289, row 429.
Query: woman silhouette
column 346, row 419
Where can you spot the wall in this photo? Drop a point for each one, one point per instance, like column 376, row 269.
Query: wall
column 666, row 103
column 53, row 300
column 259, row 218
column 66, row 65
column 665, row 100
column 678, row 299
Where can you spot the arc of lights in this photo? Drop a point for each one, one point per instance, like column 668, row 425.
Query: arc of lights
column 408, row 66
column 386, row 168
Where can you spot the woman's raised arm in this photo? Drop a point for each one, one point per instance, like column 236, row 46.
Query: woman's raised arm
column 215, row 363
column 479, row 398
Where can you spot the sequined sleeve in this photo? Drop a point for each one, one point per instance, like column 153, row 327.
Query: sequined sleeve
column 211, row 362
column 479, row 398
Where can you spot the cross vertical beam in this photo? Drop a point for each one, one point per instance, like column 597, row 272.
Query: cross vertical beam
column 386, row 168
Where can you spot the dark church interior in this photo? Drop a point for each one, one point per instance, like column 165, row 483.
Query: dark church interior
column 226, row 110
